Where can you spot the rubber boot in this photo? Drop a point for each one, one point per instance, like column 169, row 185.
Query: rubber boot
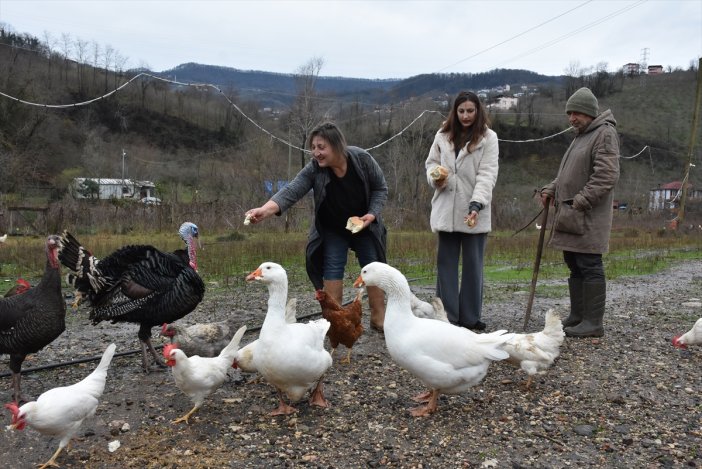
column 594, row 295
column 335, row 289
column 376, row 301
column 575, row 286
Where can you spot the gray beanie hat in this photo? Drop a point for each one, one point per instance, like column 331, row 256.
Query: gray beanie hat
column 583, row 101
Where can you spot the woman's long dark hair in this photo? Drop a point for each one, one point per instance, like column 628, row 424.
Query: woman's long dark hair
column 475, row 132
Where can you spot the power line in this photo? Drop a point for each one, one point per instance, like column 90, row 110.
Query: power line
column 515, row 36
column 205, row 86
column 572, row 33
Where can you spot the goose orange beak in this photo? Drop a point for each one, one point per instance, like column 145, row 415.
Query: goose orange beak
column 359, row 282
column 256, row 274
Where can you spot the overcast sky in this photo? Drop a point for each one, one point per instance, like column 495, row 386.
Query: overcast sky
column 375, row 39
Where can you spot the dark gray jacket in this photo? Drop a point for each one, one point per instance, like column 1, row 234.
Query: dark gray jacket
column 314, row 178
column 583, row 190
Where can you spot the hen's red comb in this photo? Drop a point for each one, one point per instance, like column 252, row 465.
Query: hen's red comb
column 14, row 408
column 23, row 282
column 677, row 344
column 168, row 348
column 166, row 331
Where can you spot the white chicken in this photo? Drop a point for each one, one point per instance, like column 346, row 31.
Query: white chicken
column 433, row 310
column 244, row 358
column 448, row 359
column 691, row 337
column 3, row 238
column 59, row 412
column 198, row 377
column 291, row 357
column 535, row 353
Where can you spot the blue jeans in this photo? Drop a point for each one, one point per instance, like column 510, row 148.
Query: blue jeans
column 336, row 247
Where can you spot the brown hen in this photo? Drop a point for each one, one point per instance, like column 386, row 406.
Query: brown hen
column 345, row 321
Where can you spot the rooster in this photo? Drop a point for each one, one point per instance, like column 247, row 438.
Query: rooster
column 19, row 287
column 198, row 377
column 691, row 337
column 535, row 353
column 433, row 310
column 345, row 321
column 59, row 412
column 137, row 284
column 32, row 320
column 208, row 339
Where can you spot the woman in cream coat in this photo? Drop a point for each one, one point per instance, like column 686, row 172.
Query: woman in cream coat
column 462, row 168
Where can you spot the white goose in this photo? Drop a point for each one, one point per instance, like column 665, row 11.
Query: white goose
column 447, row 358
column 291, row 357
column 244, row 357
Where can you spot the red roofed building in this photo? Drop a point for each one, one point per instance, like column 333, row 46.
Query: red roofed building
column 667, row 196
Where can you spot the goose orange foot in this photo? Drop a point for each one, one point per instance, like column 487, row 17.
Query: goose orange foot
column 317, row 396
column 429, row 408
column 422, row 397
column 283, row 409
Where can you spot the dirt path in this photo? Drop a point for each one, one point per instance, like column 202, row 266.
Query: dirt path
column 627, row 400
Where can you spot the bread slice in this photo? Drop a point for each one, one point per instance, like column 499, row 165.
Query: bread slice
column 439, row 173
column 354, row 224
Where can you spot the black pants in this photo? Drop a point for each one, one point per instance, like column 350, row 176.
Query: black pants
column 463, row 301
column 587, row 267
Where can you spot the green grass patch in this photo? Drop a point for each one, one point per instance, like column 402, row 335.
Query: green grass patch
column 226, row 258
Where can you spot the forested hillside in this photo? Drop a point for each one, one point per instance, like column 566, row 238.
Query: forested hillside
column 211, row 149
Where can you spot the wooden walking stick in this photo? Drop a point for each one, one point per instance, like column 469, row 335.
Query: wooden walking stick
column 537, row 263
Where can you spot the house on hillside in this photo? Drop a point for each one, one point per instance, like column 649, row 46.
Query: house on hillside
column 504, row 103
column 631, row 68
column 108, row 188
column 655, row 69
column 667, row 196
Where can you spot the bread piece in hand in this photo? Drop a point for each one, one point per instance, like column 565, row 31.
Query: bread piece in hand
column 439, row 173
column 354, row 224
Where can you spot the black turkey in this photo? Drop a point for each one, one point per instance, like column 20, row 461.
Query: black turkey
column 33, row 319
column 137, row 284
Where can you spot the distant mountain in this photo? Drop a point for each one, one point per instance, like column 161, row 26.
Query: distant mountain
column 269, row 87
column 260, row 85
column 452, row 83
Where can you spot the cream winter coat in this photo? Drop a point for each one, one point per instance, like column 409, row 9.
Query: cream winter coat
column 471, row 177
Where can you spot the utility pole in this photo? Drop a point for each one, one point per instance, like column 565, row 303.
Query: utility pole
column 643, row 66
column 691, row 148
column 287, row 212
column 124, row 155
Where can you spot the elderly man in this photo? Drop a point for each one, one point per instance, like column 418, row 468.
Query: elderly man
column 582, row 194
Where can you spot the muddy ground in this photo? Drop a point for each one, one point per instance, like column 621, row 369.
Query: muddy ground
column 627, row 400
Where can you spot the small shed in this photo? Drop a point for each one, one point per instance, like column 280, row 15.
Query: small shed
column 109, row 188
column 667, row 196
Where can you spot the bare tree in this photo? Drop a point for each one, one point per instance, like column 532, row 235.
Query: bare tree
column 81, row 51
column 120, row 62
column 96, row 61
column 573, row 75
column 107, row 59
column 49, row 43
column 304, row 115
column 66, row 47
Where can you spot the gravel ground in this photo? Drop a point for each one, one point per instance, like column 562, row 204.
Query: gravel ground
column 627, row 400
